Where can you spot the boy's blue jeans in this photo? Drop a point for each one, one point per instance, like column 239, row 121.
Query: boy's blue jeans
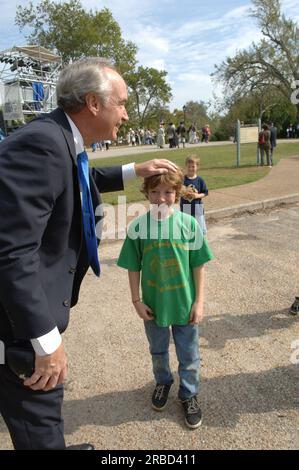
column 186, row 342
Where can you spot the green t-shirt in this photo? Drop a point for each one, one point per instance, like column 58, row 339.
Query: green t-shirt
column 166, row 251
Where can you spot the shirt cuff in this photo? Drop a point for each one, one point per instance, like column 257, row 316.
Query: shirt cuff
column 128, row 172
column 47, row 343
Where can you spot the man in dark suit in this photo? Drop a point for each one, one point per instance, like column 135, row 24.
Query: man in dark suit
column 43, row 248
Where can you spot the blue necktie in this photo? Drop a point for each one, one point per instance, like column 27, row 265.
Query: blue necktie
column 88, row 213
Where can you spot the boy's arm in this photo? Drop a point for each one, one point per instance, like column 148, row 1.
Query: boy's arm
column 188, row 193
column 134, row 281
column 204, row 191
column 196, row 314
column 143, row 310
column 199, row 195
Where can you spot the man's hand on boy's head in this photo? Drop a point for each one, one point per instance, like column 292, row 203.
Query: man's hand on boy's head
column 154, row 167
column 196, row 314
column 143, row 311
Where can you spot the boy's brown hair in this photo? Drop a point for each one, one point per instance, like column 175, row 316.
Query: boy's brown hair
column 192, row 159
column 173, row 180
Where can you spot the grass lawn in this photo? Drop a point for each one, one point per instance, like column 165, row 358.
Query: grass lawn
column 218, row 166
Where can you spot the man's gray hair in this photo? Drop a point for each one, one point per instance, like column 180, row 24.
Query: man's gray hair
column 88, row 75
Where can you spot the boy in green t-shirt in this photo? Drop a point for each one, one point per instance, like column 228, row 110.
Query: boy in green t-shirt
column 167, row 246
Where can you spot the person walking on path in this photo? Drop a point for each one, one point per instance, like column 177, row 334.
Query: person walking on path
column 161, row 136
column 181, row 134
column 264, row 144
column 206, row 132
column 273, row 140
column 171, row 135
column 192, row 134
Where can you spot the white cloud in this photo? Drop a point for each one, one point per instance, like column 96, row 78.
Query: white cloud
column 222, row 23
column 193, row 77
column 189, row 51
column 151, row 39
column 158, row 64
column 186, row 49
column 128, row 9
column 237, row 13
column 191, row 87
column 291, row 9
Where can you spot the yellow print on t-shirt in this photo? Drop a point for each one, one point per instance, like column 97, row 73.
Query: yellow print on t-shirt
column 165, row 288
column 164, row 269
column 165, row 244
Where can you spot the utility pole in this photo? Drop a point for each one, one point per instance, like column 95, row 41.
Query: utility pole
column 238, row 137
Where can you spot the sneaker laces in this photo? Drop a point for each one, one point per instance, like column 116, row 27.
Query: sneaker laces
column 193, row 405
column 159, row 391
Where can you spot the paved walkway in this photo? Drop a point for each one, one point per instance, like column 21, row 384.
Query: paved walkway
column 126, row 150
column 248, row 390
column 282, row 181
column 249, row 376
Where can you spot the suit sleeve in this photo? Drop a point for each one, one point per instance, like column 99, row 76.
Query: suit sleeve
column 108, row 179
column 31, row 179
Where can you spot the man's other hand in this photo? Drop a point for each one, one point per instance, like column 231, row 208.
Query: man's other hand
column 50, row 370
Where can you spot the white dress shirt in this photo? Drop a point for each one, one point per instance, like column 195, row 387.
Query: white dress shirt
column 49, row 342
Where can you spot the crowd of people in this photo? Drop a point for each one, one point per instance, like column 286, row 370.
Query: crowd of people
column 180, row 134
column 292, row 131
column 170, row 134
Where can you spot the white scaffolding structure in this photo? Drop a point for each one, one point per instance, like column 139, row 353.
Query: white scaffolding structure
column 28, row 77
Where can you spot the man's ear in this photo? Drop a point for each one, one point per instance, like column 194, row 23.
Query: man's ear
column 93, row 103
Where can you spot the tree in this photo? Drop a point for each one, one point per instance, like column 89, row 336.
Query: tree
column 149, row 91
column 249, row 108
column 73, row 32
column 197, row 113
column 273, row 64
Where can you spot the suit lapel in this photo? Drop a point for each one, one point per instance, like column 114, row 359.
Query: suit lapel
column 58, row 116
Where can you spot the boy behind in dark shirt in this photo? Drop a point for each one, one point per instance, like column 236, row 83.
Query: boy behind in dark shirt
column 195, row 190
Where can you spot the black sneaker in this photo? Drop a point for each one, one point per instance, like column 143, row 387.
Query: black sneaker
column 192, row 411
column 294, row 310
column 160, row 396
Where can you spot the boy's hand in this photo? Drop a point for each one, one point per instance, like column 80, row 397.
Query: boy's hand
column 143, row 311
column 190, row 194
column 196, row 314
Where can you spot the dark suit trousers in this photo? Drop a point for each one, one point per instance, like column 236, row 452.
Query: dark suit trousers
column 33, row 417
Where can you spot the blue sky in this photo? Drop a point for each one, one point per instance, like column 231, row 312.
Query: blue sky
column 184, row 37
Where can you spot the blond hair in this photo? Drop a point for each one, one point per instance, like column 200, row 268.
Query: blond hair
column 192, row 159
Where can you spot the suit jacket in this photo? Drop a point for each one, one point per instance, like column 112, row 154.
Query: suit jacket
column 43, row 257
